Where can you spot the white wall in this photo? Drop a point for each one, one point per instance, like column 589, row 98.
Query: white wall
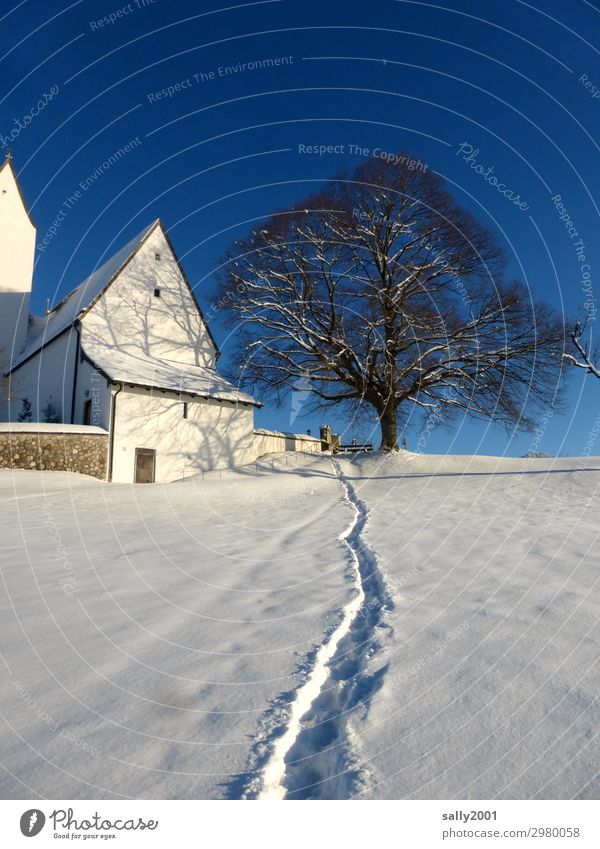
column 129, row 316
column 17, row 246
column 214, row 436
column 48, row 373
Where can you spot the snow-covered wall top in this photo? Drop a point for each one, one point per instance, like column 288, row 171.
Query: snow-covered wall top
column 45, row 427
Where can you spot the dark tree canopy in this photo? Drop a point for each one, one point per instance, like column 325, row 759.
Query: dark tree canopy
column 381, row 289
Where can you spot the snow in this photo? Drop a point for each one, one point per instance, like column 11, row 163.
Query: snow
column 395, row 627
column 490, row 677
column 273, row 776
column 184, row 611
column 154, row 373
column 48, row 427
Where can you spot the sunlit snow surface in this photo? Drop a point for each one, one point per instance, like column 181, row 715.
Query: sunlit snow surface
column 154, row 638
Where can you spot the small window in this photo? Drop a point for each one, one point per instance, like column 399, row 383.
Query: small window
column 185, row 409
column 87, row 412
column 157, row 293
column 157, row 257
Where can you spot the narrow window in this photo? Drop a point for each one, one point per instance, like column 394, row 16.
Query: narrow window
column 157, row 257
column 87, row 412
column 185, row 409
column 157, row 293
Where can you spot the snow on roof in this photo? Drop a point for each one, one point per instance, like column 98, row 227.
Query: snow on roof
column 47, row 427
column 140, row 370
column 43, row 329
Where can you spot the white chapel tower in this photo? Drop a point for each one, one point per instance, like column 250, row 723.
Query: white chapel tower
column 17, row 247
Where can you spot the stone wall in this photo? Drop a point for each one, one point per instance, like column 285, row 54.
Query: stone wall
column 85, row 453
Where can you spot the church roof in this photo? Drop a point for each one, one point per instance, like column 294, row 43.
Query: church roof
column 153, row 373
column 43, row 330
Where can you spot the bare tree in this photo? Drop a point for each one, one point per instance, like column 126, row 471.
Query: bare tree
column 585, row 359
column 381, row 289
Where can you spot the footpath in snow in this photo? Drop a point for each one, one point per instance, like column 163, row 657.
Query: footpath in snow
column 313, row 757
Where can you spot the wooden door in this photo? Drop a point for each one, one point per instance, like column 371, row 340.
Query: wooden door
column 145, row 464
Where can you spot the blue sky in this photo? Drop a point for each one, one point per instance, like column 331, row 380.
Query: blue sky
column 221, row 149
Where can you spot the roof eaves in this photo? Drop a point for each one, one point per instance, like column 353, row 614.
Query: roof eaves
column 146, row 385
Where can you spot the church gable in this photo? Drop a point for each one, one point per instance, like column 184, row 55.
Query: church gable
column 150, row 310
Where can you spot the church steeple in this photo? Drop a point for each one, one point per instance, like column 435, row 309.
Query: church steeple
column 17, row 247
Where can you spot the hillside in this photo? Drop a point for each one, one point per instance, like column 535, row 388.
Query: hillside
column 394, row 627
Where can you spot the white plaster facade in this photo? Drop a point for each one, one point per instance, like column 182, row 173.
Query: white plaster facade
column 130, row 317
column 215, row 435
column 17, row 233
column 128, row 351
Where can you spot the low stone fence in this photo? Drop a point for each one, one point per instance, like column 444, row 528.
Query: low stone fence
column 56, row 447
column 275, row 441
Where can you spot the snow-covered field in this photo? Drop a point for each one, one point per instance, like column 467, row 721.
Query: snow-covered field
column 386, row 628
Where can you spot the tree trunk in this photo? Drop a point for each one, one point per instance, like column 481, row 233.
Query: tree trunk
column 388, row 419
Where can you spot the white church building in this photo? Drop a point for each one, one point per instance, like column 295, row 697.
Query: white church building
column 127, row 351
